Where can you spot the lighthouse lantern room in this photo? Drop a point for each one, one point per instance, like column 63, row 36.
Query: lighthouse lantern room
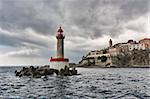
column 60, row 61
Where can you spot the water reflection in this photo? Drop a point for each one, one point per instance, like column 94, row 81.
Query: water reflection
column 61, row 86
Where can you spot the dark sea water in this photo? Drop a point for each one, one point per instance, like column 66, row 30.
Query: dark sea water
column 93, row 83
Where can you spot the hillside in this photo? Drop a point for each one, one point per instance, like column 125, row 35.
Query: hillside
column 132, row 59
column 136, row 58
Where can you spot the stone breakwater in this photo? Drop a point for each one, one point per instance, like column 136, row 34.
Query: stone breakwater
column 38, row 72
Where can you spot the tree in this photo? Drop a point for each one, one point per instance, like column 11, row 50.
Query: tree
column 103, row 58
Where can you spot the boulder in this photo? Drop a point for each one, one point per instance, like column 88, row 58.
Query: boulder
column 45, row 70
column 73, row 71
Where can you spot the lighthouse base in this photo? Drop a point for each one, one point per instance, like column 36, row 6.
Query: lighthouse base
column 59, row 63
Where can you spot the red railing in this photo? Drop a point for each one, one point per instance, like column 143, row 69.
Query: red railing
column 59, row 60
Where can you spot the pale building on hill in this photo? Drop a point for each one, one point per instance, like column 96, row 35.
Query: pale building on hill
column 136, row 47
column 131, row 45
column 102, row 60
column 120, row 48
column 114, row 51
column 146, row 42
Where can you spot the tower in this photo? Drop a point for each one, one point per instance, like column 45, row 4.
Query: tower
column 60, row 43
column 59, row 62
column 110, row 43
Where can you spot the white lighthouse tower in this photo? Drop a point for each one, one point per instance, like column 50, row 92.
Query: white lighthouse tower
column 59, row 62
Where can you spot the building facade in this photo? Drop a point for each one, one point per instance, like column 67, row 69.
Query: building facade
column 146, row 42
column 96, row 58
column 136, row 47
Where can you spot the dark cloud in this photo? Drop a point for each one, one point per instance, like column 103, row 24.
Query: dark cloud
column 20, row 14
column 134, row 8
column 6, row 40
column 91, row 16
column 20, row 40
column 95, row 16
column 81, row 19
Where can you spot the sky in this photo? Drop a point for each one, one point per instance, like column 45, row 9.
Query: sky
column 28, row 27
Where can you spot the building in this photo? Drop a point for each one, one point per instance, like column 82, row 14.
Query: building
column 59, row 62
column 114, row 51
column 126, row 47
column 96, row 58
column 131, row 42
column 119, row 48
column 96, row 52
column 136, row 47
column 146, row 42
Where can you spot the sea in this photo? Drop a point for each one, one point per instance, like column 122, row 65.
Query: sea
column 91, row 83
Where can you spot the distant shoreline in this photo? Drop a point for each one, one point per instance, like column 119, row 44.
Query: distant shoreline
column 147, row 66
column 111, row 67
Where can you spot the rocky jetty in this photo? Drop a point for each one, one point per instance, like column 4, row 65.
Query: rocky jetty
column 38, row 72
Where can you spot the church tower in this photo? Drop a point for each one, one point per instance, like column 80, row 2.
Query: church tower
column 110, row 43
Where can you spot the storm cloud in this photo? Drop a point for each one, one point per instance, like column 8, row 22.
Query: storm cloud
column 88, row 25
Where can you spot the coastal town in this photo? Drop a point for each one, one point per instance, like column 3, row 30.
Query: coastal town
column 74, row 49
column 127, row 54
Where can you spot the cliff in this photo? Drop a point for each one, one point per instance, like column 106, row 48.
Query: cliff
column 136, row 58
column 132, row 59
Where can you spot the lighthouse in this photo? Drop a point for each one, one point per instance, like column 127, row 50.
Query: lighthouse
column 59, row 62
column 60, row 43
